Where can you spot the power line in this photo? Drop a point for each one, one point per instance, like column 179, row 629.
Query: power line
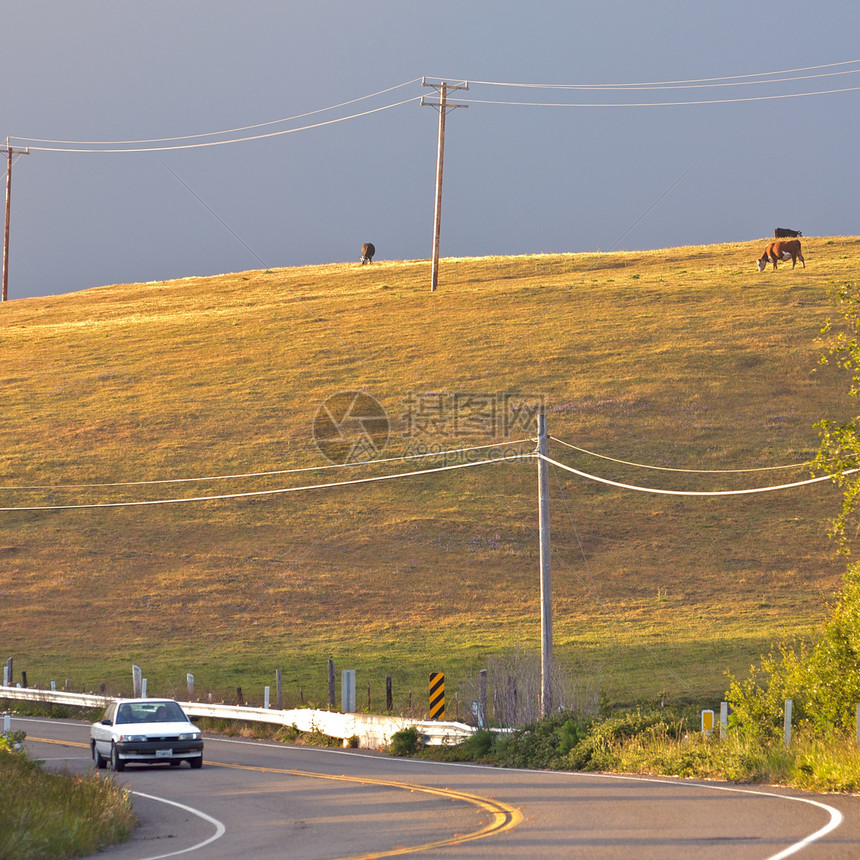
column 223, row 131
column 690, row 81
column 167, row 148
column 196, row 479
column 670, row 469
column 504, row 458
column 695, row 492
column 739, row 100
column 275, row 492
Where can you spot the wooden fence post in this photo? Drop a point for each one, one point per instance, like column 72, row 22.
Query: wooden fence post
column 389, row 701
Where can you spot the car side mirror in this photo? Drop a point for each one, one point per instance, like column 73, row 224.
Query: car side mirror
column 107, row 722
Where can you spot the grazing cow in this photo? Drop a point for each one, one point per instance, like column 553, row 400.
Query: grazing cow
column 786, row 249
column 367, row 252
column 785, row 233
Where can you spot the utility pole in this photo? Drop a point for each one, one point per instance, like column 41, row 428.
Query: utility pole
column 545, row 571
column 10, row 152
column 444, row 107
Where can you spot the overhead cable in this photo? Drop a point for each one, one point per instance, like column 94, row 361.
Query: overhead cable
column 429, row 455
column 275, row 492
column 216, row 133
column 659, row 104
column 201, row 145
column 670, row 469
column 691, row 492
column 690, row 81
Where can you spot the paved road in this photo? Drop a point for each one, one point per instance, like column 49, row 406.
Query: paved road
column 262, row 800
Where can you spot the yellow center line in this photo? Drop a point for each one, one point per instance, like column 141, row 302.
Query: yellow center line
column 61, row 743
column 503, row 817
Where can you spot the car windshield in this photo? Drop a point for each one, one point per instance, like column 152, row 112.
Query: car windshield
column 150, row 712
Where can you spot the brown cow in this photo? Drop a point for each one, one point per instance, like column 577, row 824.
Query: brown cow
column 783, row 250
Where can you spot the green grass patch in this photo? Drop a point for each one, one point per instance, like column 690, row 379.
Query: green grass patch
column 57, row 815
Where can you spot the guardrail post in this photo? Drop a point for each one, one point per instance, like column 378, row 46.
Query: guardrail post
column 724, row 720
column 347, row 691
column 482, row 698
column 266, row 698
column 7, row 674
column 786, row 726
column 136, row 676
column 331, row 683
column 189, row 680
column 278, row 687
column 24, row 679
column 389, row 700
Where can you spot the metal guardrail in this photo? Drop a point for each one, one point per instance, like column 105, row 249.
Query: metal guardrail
column 371, row 731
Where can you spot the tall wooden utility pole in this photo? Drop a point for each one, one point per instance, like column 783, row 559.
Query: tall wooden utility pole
column 10, row 152
column 545, row 571
column 444, row 107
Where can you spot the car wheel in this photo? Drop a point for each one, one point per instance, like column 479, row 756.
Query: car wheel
column 98, row 758
column 196, row 762
column 115, row 762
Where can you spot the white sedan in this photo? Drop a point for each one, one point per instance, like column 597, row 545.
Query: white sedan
column 145, row 731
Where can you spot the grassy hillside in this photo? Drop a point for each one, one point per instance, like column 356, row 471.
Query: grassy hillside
column 686, row 358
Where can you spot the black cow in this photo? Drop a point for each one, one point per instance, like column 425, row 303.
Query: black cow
column 367, row 252
column 785, row 233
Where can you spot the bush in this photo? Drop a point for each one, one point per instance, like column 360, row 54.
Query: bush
column 544, row 743
column 479, row 748
column 821, row 679
column 405, row 742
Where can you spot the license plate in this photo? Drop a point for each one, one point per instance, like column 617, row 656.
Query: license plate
column 163, row 753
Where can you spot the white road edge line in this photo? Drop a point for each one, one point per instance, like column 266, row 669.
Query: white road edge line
column 220, row 829
column 836, row 817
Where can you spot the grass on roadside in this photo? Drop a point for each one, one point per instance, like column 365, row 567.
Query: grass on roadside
column 661, row 743
column 56, row 815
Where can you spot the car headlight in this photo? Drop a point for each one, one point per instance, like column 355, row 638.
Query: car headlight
column 190, row 736
column 132, row 739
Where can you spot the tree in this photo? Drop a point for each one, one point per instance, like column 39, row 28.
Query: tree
column 839, row 450
column 821, row 678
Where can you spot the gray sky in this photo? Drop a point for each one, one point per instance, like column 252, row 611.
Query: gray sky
column 518, row 179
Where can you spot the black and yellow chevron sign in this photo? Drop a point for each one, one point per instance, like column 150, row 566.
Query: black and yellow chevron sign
column 437, row 695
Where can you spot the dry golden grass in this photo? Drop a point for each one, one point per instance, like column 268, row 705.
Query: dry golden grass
column 685, row 358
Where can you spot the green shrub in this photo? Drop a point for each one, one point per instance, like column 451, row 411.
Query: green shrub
column 405, row 742
column 544, row 743
column 822, row 679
